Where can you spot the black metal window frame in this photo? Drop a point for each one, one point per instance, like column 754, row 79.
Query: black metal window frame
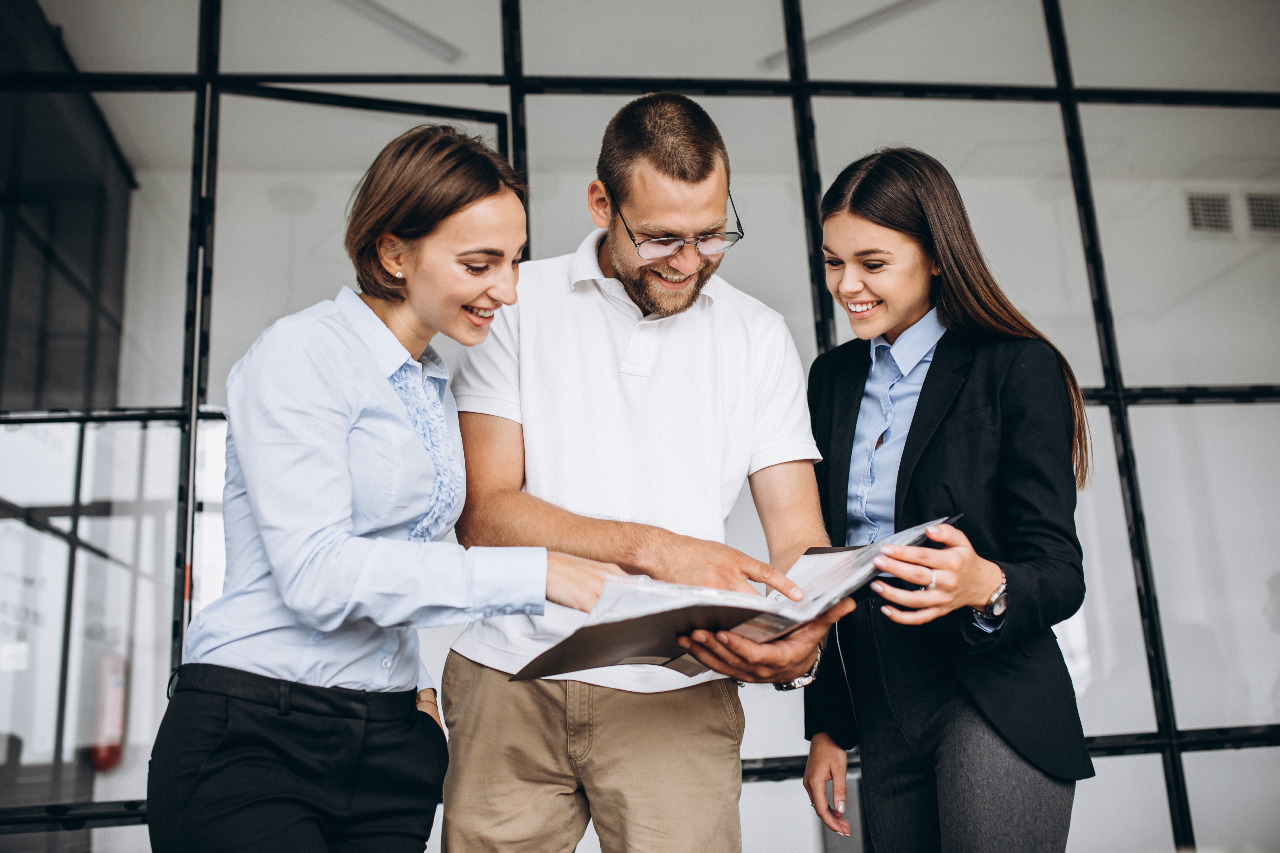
column 208, row 83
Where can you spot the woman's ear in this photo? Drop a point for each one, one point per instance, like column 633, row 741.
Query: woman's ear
column 393, row 254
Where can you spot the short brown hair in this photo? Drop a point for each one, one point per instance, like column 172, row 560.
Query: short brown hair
column 670, row 132
column 417, row 181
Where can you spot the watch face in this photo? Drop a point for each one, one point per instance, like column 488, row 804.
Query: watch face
column 997, row 606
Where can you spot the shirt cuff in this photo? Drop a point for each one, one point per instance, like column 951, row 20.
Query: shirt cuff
column 509, row 580
column 776, row 455
column 482, row 405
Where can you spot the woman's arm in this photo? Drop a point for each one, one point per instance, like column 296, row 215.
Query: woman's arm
column 1033, row 512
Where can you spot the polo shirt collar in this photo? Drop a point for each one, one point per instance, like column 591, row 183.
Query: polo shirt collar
column 913, row 344
column 584, row 268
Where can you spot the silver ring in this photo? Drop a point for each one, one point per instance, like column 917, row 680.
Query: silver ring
column 933, row 580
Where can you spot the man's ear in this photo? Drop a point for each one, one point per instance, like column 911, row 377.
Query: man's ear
column 599, row 204
column 393, row 253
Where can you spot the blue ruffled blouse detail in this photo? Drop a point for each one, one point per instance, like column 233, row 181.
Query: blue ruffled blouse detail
column 423, row 394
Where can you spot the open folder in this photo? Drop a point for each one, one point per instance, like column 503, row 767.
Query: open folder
column 638, row 619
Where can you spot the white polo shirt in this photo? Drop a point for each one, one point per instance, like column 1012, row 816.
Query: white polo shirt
column 631, row 418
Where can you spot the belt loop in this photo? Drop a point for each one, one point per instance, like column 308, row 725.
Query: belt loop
column 173, row 684
column 285, row 705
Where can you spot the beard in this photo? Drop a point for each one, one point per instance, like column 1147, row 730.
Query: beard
column 650, row 297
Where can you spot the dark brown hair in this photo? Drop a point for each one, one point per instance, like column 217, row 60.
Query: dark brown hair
column 417, row 181
column 670, row 132
column 912, row 193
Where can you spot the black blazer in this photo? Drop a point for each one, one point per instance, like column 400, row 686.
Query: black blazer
column 991, row 438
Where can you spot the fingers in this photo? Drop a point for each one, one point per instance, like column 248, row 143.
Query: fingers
column 771, row 577
column 716, row 660
column 827, row 763
column 576, row 582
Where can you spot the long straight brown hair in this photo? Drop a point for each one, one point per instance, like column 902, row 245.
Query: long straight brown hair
column 912, row 193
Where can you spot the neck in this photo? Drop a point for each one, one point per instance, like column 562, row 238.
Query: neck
column 396, row 317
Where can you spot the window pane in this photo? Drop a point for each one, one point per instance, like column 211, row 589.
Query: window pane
column 1103, row 642
column 1208, row 488
column 1123, row 809
column 989, row 41
column 362, row 36
column 128, row 35
column 1172, row 280
column 1233, row 795
column 286, row 172
column 32, row 600
column 121, row 605
column 209, row 554
column 1010, row 163
column 660, row 38
column 1200, row 44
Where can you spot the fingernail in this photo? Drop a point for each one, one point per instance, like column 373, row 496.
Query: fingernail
column 840, row 806
column 889, row 549
column 876, row 586
column 879, row 562
column 931, row 529
column 722, row 637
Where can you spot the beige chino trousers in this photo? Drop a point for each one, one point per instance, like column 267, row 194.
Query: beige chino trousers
column 530, row 762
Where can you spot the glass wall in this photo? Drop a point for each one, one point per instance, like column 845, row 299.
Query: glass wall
column 174, row 176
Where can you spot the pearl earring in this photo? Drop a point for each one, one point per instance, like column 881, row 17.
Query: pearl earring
column 399, row 275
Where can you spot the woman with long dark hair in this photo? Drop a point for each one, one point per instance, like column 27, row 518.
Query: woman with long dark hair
column 302, row 718
column 948, row 677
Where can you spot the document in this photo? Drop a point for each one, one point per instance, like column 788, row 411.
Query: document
column 638, row 619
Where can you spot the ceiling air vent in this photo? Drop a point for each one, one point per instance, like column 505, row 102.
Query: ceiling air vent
column 1264, row 213
column 1210, row 212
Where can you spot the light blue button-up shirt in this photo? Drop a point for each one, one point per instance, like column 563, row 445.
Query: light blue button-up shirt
column 884, row 417
column 326, row 480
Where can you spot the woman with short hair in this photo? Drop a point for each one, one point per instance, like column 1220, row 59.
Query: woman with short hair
column 302, row 718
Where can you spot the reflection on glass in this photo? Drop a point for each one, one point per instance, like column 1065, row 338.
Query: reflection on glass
column 1233, row 796
column 770, row 263
column 1010, row 163
column 286, row 172
column 990, row 41
column 1172, row 280
column 362, row 36
column 661, row 38
column 1204, row 44
column 1103, row 642
column 88, row 738
column 1123, row 809
column 208, row 552
column 1208, row 487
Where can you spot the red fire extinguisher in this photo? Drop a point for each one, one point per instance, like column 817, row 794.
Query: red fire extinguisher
column 108, row 724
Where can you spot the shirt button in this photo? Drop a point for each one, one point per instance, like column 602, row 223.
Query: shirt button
column 386, row 663
column 488, row 613
column 529, row 609
column 508, row 610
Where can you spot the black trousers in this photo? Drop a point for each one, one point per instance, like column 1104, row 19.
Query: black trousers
column 935, row 775
column 248, row 763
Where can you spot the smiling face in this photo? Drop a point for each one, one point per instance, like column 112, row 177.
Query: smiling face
column 880, row 277
column 659, row 206
column 457, row 276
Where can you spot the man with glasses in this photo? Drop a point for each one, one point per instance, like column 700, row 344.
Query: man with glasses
column 615, row 412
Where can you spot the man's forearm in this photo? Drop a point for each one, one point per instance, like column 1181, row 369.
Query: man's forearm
column 512, row 517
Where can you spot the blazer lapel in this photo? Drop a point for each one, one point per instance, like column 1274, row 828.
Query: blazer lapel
column 846, row 397
column 947, row 374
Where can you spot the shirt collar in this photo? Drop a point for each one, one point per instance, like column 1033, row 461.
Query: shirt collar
column 584, row 269
column 388, row 352
column 913, row 344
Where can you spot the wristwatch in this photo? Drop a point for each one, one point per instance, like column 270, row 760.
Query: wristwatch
column 804, row 680
column 996, row 604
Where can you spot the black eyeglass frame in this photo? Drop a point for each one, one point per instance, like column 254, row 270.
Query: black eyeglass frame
column 696, row 241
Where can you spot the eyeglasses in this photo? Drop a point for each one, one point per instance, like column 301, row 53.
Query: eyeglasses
column 664, row 247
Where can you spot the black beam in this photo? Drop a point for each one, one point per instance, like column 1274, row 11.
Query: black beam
column 1144, row 580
